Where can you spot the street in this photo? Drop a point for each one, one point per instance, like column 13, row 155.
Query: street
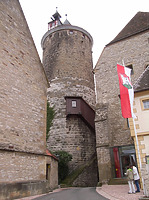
column 74, row 194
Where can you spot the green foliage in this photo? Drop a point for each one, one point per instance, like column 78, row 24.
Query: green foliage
column 50, row 117
column 64, row 158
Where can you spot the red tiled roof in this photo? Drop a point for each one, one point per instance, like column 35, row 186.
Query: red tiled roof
column 51, row 155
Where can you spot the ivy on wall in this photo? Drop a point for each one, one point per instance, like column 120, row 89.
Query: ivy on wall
column 50, row 117
column 63, row 160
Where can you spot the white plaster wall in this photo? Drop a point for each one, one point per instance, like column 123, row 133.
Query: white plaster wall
column 142, row 115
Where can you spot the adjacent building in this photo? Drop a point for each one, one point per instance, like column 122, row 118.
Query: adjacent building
column 141, row 111
column 115, row 146
column 23, row 104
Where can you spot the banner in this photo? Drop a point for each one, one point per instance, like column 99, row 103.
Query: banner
column 126, row 91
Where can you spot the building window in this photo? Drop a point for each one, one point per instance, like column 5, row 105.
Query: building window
column 71, row 32
column 145, row 103
column 127, row 122
column 48, row 171
column 147, row 159
column 146, row 66
column 83, row 36
column 74, row 104
column 130, row 67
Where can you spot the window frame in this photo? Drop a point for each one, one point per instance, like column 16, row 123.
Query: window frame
column 142, row 105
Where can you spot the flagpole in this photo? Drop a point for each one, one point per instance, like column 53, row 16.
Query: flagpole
column 123, row 63
column 138, row 153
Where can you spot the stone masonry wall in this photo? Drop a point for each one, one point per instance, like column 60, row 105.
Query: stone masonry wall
column 135, row 51
column 18, row 166
column 67, row 59
column 22, row 99
column 53, row 176
column 68, row 55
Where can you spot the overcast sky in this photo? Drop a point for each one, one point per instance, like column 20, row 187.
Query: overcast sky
column 103, row 19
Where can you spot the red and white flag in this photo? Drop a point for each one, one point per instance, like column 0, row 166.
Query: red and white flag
column 126, row 91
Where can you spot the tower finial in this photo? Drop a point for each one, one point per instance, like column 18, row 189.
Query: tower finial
column 56, row 9
column 66, row 16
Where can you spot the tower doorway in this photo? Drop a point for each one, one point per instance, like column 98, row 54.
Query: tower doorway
column 122, row 157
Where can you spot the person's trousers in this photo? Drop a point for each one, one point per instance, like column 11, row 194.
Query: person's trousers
column 131, row 187
column 137, row 185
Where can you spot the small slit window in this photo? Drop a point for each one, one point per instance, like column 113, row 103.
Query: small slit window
column 74, row 103
column 130, row 67
column 71, row 32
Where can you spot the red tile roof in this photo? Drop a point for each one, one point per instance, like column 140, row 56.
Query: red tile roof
column 51, row 155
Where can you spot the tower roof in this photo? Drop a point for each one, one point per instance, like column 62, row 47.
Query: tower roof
column 66, row 22
column 56, row 16
column 138, row 24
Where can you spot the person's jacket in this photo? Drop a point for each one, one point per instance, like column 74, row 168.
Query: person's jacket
column 129, row 174
column 135, row 173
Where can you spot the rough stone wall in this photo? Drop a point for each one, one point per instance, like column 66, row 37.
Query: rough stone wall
column 67, row 59
column 23, row 84
column 135, row 51
column 16, row 166
column 53, row 177
column 102, row 142
column 22, row 99
column 71, row 134
column 87, row 178
column 145, row 175
column 68, row 55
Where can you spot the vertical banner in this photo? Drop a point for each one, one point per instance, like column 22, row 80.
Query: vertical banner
column 126, row 91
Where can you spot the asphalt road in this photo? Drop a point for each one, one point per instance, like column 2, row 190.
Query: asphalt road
column 74, row 194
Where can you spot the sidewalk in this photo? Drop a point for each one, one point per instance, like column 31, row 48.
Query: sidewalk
column 111, row 192
column 118, row 192
column 33, row 197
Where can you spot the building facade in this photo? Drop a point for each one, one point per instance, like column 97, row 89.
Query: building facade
column 141, row 111
column 115, row 146
column 23, row 104
column 67, row 60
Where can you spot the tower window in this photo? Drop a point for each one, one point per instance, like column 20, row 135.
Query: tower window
column 74, row 104
column 71, row 32
column 130, row 67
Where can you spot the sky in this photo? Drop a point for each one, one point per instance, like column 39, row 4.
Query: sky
column 103, row 19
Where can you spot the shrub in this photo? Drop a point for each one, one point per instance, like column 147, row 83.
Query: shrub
column 64, row 158
column 50, row 117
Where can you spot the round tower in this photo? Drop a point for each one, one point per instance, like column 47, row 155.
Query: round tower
column 67, row 60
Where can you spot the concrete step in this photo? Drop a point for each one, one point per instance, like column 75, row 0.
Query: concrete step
column 118, row 181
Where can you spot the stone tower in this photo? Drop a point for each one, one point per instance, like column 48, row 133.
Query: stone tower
column 67, row 59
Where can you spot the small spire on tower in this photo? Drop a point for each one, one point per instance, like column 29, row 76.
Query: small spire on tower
column 66, row 22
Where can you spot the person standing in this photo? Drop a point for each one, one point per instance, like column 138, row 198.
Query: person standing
column 129, row 174
column 136, row 177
